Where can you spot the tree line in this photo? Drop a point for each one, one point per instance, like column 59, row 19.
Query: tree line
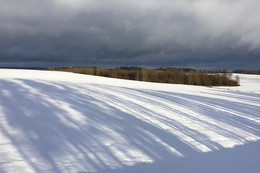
column 162, row 75
column 237, row 71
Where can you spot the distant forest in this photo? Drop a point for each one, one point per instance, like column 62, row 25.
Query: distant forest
column 237, row 71
column 247, row 71
column 161, row 75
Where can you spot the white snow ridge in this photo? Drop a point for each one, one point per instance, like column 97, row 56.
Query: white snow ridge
column 64, row 122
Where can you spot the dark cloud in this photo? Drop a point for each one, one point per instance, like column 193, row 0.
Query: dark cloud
column 195, row 33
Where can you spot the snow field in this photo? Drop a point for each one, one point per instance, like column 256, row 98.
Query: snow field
column 65, row 122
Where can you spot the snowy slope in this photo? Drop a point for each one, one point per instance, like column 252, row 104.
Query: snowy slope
column 65, row 122
column 249, row 83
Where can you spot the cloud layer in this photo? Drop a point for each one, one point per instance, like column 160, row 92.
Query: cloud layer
column 196, row 33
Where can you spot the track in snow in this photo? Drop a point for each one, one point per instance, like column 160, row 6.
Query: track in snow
column 64, row 122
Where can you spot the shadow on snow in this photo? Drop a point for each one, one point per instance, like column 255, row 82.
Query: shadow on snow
column 94, row 128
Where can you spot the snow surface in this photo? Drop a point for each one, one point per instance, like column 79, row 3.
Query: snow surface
column 66, row 122
column 249, row 83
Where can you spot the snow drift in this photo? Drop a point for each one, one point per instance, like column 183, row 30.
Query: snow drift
column 65, row 122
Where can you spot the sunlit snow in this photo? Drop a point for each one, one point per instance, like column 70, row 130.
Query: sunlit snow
column 66, row 122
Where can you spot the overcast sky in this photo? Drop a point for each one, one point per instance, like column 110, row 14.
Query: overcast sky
column 110, row 33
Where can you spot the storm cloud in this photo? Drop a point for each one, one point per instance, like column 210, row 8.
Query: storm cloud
column 194, row 33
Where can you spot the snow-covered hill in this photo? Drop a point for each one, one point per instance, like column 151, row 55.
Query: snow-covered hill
column 65, row 122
